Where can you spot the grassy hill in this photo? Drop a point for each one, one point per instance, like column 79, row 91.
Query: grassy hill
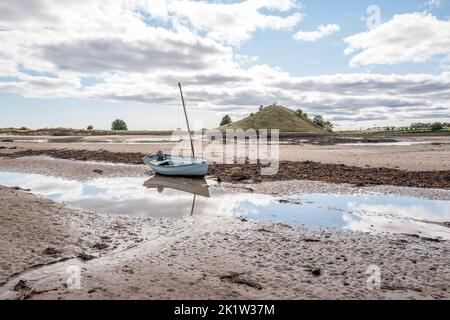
column 276, row 117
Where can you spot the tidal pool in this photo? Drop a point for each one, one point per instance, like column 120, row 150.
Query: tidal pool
column 83, row 140
column 396, row 143
column 180, row 197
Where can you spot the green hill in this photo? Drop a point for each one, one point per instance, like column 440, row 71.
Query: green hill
column 276, row 117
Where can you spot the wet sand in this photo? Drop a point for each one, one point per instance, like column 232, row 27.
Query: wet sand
column 70, row 169
column 206, row 258
column 416, row 157
column 86, row 170
column 37, row 231
column 288, row 170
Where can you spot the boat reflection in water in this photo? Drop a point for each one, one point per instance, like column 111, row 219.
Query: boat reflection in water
column 196, row 186
column 175, row 198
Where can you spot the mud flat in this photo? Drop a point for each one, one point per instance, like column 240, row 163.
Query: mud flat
column 335, row 173
column 288, row 170
column 291, row 187
column 71, row 169
column 193, row 258
column 410, row 154
column 37, row 231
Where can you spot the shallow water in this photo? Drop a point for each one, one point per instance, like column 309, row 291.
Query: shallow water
column 175, row 198
column 82, row 140
column 396, row 143
column 135, row 140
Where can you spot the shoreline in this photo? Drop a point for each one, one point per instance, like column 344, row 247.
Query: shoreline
column 87, row 170
column 288, row 170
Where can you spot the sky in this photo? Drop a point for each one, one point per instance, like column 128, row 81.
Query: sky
column 74, row 63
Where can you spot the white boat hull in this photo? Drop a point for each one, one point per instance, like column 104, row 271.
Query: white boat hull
column 178, row 166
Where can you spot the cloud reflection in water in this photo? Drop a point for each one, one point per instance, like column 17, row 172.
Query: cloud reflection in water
column 127, row 195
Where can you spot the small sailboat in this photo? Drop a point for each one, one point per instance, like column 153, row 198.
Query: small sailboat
column 177, row 166
column 169, row 165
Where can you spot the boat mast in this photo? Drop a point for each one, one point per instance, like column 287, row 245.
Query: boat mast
column 187, row 121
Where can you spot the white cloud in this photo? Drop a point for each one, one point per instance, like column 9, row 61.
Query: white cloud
column 82, row 39
column 245, row 60
column 7, row 68
column 235, row 23
column 349, row 98
column 157, row 9
column 321, row 32
column 43, row 87
column 432, row 4
column 412, row 37
column 159, row 51
column 134, row 61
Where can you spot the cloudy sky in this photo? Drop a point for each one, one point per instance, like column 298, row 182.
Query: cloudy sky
column 360, row 63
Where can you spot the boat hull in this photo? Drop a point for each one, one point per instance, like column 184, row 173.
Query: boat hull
column 180, row 166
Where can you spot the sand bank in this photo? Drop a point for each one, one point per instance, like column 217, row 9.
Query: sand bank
column 286, row 170
column 216, row 257
column 415, row 157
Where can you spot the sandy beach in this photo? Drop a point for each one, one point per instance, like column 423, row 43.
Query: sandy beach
column 215, row 258
column 208, row 256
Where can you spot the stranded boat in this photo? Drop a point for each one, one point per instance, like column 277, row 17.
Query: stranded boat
column 169, row 165
column 177, row 166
